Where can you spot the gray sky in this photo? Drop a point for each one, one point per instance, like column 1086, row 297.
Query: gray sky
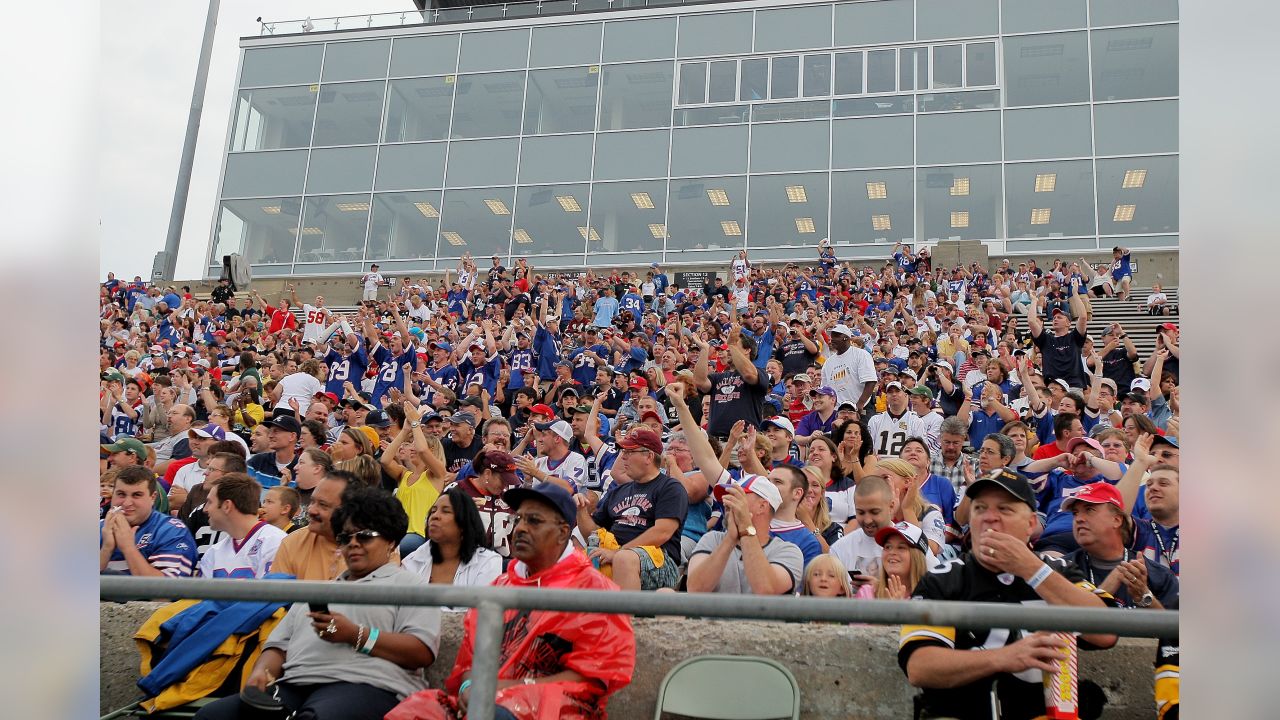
column 147, row 72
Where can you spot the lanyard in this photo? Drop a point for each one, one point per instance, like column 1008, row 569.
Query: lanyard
column 1173, row 546
column 1094, row 582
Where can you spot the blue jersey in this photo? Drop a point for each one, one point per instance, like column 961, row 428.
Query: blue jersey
column 486, row 374
column 519, row 360
column 456, row 299
column 132, row 295
column 634, row 303
column 1122, row 267
column 1052, row 487
column 547, row 346
column 1156, row 542
column 391, row 371
column 584, row 366
column 343, row 368
column 906, row 264
column 447, row 376
column 660, row 282
column 805, row 288
column 606, row 309
column 827, row 258
column 165, row 542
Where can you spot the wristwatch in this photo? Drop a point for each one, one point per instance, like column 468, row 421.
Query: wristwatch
column 1146, row 600
column 751, row 530
column 415, row 423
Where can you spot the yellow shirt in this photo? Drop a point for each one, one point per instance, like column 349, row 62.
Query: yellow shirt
column 417, row 499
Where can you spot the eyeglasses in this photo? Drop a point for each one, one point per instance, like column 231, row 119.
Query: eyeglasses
column 361, row 536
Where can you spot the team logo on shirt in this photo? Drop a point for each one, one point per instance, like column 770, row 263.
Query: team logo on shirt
column 144, row 540
column 255, row 547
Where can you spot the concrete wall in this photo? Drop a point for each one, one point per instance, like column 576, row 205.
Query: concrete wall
column 844, row 671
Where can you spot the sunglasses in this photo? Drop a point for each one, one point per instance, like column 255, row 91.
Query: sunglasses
column 362, row 536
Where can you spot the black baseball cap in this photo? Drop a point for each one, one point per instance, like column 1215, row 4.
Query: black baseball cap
column 1008, row 480
column 377, row 419
column 550, row 493
column 287, row 423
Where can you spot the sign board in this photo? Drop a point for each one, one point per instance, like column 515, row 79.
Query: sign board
column 694, row 281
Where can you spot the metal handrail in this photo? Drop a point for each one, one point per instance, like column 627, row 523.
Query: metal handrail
column 492, row 602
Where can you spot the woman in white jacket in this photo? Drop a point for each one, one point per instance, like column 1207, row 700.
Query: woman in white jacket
column 455, row 552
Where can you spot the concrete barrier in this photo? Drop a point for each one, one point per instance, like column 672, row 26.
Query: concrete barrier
column 844, row 671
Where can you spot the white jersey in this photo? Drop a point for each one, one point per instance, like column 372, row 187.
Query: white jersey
column 301, row 387
column 315, row 320
column 740, row 268
column 932, row 430
column 889, row 434
column 847, row 373
column 572, row 468
column 250, row 559
column 373, row 280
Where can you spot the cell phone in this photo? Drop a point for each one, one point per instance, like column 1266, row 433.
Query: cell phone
column 319, row 607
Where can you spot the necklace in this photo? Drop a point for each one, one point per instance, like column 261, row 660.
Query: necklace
column 1124, row 559
column 1166, row 555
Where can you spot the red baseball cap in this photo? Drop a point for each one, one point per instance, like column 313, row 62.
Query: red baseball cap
column 1099, row 493
column 642, row 437
column 1074, row 443
column 639, row 383
column 327, row 396
column 542, row 409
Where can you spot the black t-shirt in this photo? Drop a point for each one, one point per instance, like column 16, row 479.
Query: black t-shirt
column 455, row 455
column 629, row 509
column 966, row 580
column 1062, row 356
column 794, row 356
column 1118, row 366
column 950, row 403
column 733, row 399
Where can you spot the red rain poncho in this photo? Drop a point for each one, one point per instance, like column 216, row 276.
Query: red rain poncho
column 538, row 643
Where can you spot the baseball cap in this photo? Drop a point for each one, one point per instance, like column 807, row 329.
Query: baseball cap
column 908, row 372
column 326, row 396
column 471, row 401
column 463, row 418
column 1136, row 396
column 894, row 384
column 1009, row 481
column 944, row 365
column 130, row 445
column 847, row 405
column 1098, row 493
column 1169, row 326
column 377, row 419
column 1074, row 443
column 1165, row 440
column 542, row 409
column 208, row 431
column 824, row 390
column 779, row 422
column 559, row 427
column 1058, row 311
column 639, row 383
column 1065, row 385
column 1140, row 383
column 581, row 409
column 641, row 437
column 752, row 483
column 912, row 534
column 441, row 344
column 802, row 377
column 113, row 374
column 287, row 423
column 550, row 493
column 842, row 329
column 890, row 370
column 922, row 391
column 1111, row 384
column 498, row 461
column 651, row 414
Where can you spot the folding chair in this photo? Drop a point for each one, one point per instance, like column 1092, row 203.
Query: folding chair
column 753, row 688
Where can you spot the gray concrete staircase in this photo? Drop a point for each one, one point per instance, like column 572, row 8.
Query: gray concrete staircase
column 1132, row 316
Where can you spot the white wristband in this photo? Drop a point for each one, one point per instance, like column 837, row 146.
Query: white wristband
column 1041, row 575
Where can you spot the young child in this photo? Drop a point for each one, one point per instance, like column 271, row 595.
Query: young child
column 279, row 506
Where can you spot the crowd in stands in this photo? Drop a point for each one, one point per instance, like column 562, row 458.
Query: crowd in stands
column 886, row 431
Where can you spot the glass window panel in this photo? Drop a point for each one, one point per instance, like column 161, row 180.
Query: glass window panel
column 623, row 225
column 335, row 170
column 1139, row 62
column 790, row 146
column 1138, row 127
column 881, row 71
column 723, row 85
column 363, row 60
column 632, row 155
column 785, row 80
column 755, row 80
column 482, row 162
column 333, row 228
column 787, row 209
column 264, row 230
column 1055, row 245
column 1038, row 15
column 494, row 50
column 1045, row 69
column 862, row 213
column 809, row 110
column 718, row 115
column 404, row 225
column 866, row 23
column 419, row 109
column 718, row 34
column 793, row 28
column 561, row 158
column 693, row 83
column 1160, row 242
column 290, row 65
column 948, row 67
column 707, row 213
column 849, row 73
column 566, row 45
column 1153, row 195
column 967, row 100
column 817, row 76
column 1047, row 133
column 957, row 137
column 424, row 55
column 879, row 105
column 946, row 215
column 639, row 39
column 488, row 105
column 873, row 142
column 1126, row 12
column 469, row 224
column 956, row 18
column 410, row 166
column 1067, row 209
column 273, row 118
column 547, row 225
column 709, row 151
column 349, row 113
column 980, row 67
column 913, row 68
column 636, row 96
column 561, row 100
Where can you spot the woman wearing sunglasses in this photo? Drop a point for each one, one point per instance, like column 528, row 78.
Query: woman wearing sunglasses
column 346, row 661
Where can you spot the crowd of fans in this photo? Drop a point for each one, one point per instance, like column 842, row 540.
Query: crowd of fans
column 888, row 431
